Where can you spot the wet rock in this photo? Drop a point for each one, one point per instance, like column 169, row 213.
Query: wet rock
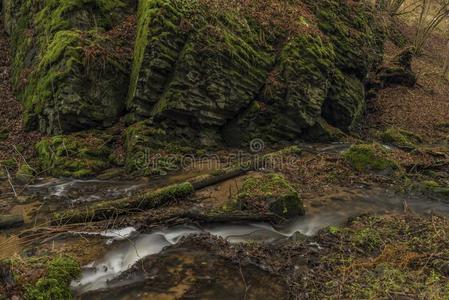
column 11, row 221
column 269, row 193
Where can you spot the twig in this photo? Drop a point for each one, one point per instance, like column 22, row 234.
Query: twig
column 10, row 182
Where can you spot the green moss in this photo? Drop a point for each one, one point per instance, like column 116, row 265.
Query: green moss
column 55, row 284
column 369, row 157
column 109, row 209
column 4, row 134
column 25, row 173
column 269, row 192
column 78, row 155
column 150, row 151
column 400, row 138
column 436, row 188
column 49, row 42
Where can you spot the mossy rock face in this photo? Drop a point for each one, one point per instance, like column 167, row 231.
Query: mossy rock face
column 226, row 76
column 369, row 157
column 401, row 138
column 68, row 68
column 270, row 193
column 77, row 155
column 151, row 151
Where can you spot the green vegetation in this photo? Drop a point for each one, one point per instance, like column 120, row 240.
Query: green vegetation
column 60, row 49
column 401, row 138
column 369, row 157
column 269, row 193
column 108, row 209
column 77, row 155
column 436, row 188
column 55, row 284
column 383, row 257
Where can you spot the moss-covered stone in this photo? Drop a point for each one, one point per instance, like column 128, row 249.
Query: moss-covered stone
column 322, row 131
column 209, row 74
column 269, row 193
column 66, row 68
column 400, row 138
column 369, row 157
column 77, row 155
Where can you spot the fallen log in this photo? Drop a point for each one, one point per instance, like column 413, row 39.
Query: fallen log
column 110, row 209
column 11, row 221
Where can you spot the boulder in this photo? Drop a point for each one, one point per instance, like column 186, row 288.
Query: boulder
column 214, row 75
column 70, row 65
column 270, row 193
column 369, row 158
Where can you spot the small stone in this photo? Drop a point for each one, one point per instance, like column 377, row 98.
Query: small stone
column 11, row 221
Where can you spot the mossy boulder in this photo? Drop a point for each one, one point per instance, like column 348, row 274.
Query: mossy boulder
column 269, row 193
column 70, row 64
column 369, row 157
column 77, row 155
column 400, row 138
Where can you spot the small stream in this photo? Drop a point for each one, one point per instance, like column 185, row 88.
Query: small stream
column 127, row 246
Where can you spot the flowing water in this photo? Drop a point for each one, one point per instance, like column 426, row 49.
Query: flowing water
column 133, row 246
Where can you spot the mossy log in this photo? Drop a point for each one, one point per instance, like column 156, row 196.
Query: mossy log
column 110, row 209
